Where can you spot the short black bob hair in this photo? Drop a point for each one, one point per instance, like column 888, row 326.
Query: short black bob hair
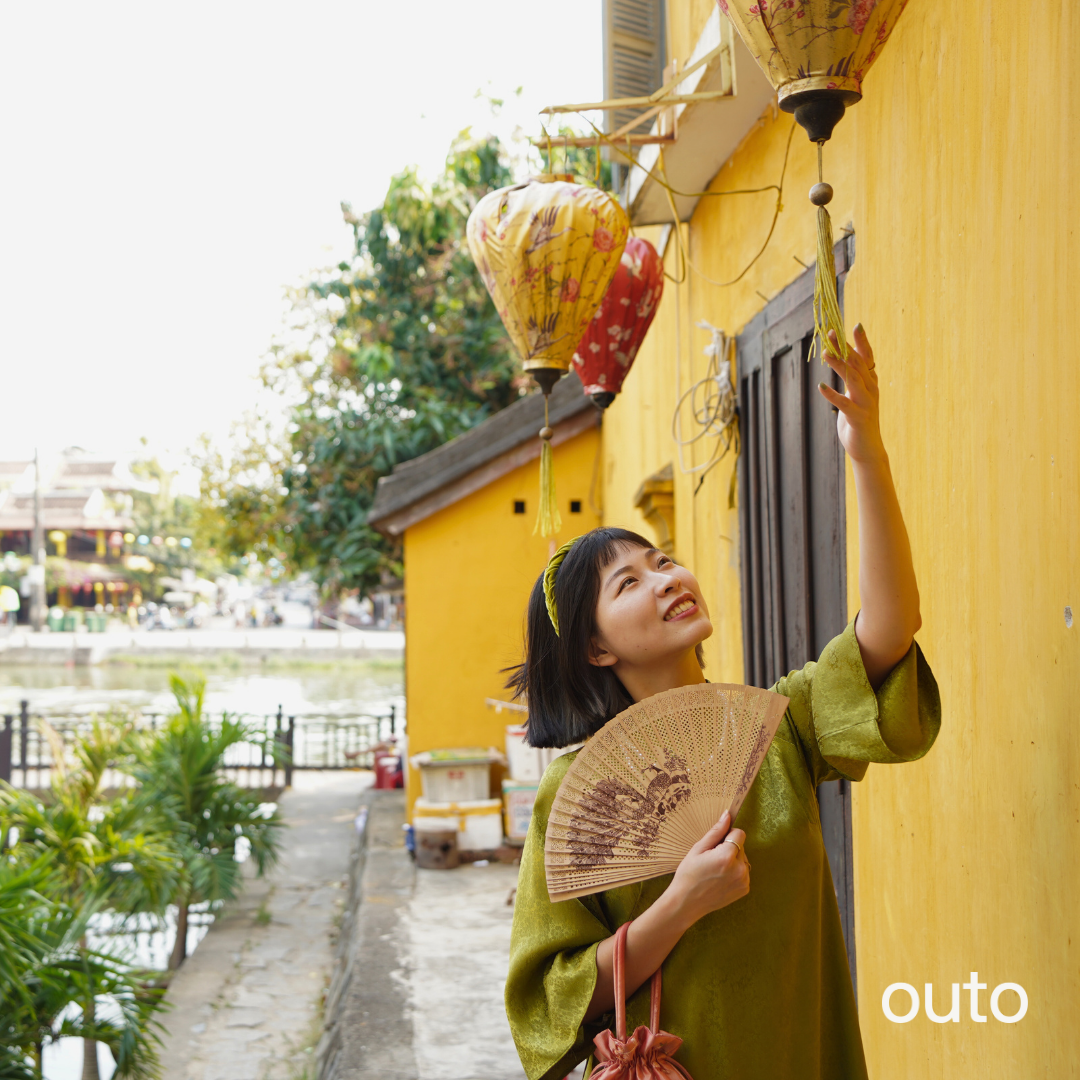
column 569, row 698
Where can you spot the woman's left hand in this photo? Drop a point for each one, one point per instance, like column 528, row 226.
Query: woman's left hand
column 889, row 616
column 857, row 423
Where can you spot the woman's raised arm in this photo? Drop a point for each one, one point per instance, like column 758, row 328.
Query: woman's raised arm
column 889, row 616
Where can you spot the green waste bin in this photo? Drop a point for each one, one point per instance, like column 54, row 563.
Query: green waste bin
column 56, row 619
column 72, row 620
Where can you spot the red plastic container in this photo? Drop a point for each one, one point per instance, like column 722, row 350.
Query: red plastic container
column 388, row 773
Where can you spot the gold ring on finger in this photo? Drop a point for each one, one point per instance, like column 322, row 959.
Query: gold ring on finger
column 738, row 845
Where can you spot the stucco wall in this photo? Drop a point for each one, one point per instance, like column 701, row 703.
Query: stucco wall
column 958, row 173
column 468, row 572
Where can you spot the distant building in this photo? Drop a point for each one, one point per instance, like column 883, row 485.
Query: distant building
column 85, row 497
column 85, row 510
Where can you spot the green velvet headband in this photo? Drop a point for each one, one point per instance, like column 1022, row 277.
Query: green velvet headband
column 549, row 581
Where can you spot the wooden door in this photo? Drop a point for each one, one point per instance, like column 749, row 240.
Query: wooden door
column 792, row 523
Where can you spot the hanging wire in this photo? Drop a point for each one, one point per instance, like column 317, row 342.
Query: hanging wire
column 712, row 407
column 684, row 255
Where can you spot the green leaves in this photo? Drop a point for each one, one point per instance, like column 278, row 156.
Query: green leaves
column 400, row 350
column 179, row 770
column 81, row 853
column 46, row 967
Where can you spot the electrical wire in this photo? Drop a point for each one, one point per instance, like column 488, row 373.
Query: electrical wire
column 712, row 407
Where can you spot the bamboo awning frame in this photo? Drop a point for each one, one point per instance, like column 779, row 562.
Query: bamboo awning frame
column 662, row 102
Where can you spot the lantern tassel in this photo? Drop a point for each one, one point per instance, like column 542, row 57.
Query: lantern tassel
column 826, row 304
column 548, row 519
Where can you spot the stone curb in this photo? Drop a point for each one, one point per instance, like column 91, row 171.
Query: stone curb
column 368, row 1031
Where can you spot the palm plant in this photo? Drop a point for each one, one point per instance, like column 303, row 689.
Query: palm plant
column 180, row 771
column 103, row 855
column 46, row 967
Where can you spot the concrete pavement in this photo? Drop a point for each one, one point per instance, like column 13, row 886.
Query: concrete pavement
column 247, row 1005
column 411, row 963
column 419, row 989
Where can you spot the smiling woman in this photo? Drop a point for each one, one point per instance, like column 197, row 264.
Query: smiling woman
column 573, row 677
column 756, row 980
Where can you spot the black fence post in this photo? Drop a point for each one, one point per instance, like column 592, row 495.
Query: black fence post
column 24, row 738
column 279, row 741
column 393, row 719
column 5, row 748
column 289, row 751
column 277, row 744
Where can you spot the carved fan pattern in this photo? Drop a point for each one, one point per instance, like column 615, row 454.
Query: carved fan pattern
column 652, row 781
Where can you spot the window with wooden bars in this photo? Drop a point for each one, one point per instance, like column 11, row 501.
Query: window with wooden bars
column 792, row 522
column 635, row 49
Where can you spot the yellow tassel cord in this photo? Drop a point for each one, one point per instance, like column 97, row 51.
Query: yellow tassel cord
column 548, row 519
column 826, row 304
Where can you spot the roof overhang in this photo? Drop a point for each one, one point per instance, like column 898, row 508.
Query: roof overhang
column 395, row 524
column 504, row 441
column 709, row 132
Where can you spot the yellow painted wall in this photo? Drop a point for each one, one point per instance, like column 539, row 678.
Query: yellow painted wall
column 468, row 572
column 958, row 172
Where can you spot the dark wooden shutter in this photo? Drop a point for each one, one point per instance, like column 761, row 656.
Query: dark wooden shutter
column 792, row 522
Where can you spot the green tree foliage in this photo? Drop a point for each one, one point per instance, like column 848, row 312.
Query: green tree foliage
column 179, row 770
column 242, row 495
column 397, row 350
column 51, row 969
column 79, row 854
column 82, row 853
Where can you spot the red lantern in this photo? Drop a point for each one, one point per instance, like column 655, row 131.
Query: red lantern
column 618, row 328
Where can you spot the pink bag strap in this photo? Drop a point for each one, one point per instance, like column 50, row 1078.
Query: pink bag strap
column 619, row 965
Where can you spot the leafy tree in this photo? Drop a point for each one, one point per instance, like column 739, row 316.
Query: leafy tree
column 103, row 855
column 393, row 352
column 242, row 495
column 45, row 967
column 164, row 512
column 179, row 769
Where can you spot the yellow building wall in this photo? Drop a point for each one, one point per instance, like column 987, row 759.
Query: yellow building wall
column 958, row 173
column 468, row 572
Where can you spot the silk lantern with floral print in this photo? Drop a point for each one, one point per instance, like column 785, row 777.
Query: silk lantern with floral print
column 816, row 54
column 547, row 250
column 606, row 352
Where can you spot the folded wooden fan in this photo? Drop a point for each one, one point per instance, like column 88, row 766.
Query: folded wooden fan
column 647, row 786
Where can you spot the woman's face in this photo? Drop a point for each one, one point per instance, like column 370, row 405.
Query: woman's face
column 650, row 610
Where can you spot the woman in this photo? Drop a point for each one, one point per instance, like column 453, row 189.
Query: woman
column 755, row 975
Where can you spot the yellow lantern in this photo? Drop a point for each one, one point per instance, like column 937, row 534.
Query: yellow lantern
column 816, row 54
column 547, row 251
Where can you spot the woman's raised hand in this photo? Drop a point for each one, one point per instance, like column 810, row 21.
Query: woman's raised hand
column 714, row 872
column 857, row 425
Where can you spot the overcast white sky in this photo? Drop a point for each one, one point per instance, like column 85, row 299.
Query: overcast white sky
column 166, row 169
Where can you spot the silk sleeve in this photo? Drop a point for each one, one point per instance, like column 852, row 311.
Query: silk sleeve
column 843, row 726
column 552, row 957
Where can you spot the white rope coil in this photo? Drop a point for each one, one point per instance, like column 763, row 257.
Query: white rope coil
column 711, row 404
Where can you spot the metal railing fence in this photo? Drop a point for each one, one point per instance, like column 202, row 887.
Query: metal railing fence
column 277, row 745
